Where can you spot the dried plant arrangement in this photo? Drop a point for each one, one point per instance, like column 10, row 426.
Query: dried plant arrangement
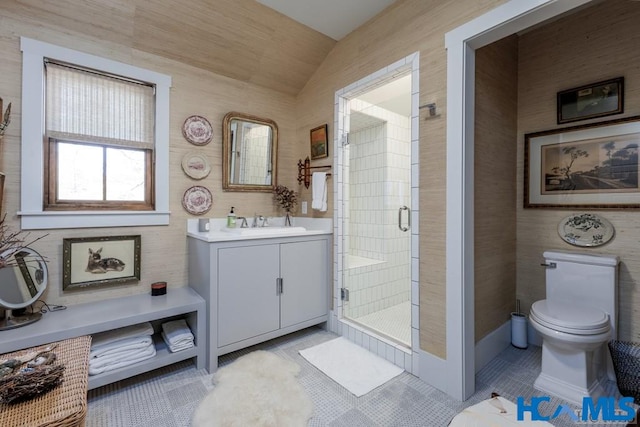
column 12, row 240
column 6, row 119
column 286, row 198
column 30, row 382
column 19, row 382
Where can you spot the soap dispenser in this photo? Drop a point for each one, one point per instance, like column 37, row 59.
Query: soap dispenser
column 231, row 219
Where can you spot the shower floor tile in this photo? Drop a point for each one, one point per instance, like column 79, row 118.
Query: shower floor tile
column 394, row 322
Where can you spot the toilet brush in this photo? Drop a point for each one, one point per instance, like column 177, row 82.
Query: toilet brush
column 518, row 328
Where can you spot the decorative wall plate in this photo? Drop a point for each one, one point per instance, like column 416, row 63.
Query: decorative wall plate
column 587, row 230
column 197, row 130
column 196, row 165
column 197, row 200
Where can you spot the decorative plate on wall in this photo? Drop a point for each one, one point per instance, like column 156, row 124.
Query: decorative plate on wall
column 197, row 200
column 587, row 230
column 197, row 130
column 196, row 165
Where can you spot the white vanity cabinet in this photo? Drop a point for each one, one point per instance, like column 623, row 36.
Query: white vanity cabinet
column 259, row 289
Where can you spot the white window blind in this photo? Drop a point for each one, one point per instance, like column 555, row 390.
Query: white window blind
column 86, row 106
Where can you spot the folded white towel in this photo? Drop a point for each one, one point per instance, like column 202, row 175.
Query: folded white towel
column 108, row 361
column 176, row 331
column 319, row 191
column 107, row 337
column 122, row 346
column 104, row 364
column 175, row 349
column 179, row 345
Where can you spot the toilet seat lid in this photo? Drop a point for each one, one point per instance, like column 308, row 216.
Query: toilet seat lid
column 570, row 318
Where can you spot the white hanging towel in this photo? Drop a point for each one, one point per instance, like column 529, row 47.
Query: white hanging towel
column 319, row 191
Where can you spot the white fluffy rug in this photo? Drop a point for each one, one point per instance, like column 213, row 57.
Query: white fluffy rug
column 258, row 389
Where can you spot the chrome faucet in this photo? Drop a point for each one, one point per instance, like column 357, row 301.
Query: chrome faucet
column 258, row 221
column 243, row 222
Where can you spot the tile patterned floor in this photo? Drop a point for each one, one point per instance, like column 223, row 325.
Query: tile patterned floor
column 394, row 322
column 168, row 397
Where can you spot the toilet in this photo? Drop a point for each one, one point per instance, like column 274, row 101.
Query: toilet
column 576, row 321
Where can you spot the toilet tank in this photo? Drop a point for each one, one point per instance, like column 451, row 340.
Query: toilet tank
column 584, row 279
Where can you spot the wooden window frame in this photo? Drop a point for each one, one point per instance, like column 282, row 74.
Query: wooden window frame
column 51, row 201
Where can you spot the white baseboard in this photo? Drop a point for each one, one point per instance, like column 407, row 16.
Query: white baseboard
column 492, row 345
column 435, row 372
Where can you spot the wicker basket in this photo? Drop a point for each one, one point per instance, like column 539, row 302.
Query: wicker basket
column 65, row 405
column 626, row 362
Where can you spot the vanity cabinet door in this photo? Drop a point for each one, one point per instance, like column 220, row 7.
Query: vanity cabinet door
column 303, row 268
column 248, row 299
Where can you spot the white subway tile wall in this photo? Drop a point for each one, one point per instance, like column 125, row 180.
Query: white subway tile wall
column 378, row 181
column 255, row 146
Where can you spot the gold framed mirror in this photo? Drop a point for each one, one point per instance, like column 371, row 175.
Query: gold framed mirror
column 249, row 153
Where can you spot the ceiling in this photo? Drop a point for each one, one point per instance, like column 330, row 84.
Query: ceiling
column 248, row 41
column 333, row 18
column 394, row 96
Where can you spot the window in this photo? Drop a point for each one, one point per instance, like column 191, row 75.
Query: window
column 99, row 140
column 99, row 129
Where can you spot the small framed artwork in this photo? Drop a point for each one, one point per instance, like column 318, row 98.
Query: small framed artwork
column 592, row 166
column 591, row 101
column 93, row 261
column 319, row 142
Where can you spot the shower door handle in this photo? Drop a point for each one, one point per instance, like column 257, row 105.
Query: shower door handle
column 404, row 208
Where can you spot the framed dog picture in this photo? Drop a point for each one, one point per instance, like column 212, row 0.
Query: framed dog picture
column 91, row 261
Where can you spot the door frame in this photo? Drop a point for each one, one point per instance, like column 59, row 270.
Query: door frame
column 458, row 376
column 410, row 63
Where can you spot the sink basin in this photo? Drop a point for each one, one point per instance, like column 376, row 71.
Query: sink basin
column 263, row 231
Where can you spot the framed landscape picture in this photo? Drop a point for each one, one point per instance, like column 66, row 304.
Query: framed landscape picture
column 319, row 142
column 591, row 101
column 591, row 166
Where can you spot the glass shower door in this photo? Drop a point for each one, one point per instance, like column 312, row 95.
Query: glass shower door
column 376, row 229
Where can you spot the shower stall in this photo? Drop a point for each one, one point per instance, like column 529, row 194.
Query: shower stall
column 375, row 255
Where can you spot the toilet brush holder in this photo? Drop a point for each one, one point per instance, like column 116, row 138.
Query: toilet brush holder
column 519, row 330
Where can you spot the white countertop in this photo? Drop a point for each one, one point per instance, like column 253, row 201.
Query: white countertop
column 313, row 226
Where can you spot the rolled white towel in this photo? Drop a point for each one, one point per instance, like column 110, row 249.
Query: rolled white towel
column 114, row 335
column 176, row 331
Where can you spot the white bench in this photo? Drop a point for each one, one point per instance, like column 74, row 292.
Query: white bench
column 98, row 316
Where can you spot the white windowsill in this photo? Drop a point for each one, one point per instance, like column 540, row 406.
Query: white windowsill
column 77, row 219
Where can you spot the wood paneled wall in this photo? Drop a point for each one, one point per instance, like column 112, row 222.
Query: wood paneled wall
column 406, row 27
column 164, row 35
column 240, row 39
column 496, row 116
column 108, row 32
column 594, row 44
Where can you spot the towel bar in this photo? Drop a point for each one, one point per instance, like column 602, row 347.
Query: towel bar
column 304, row 171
